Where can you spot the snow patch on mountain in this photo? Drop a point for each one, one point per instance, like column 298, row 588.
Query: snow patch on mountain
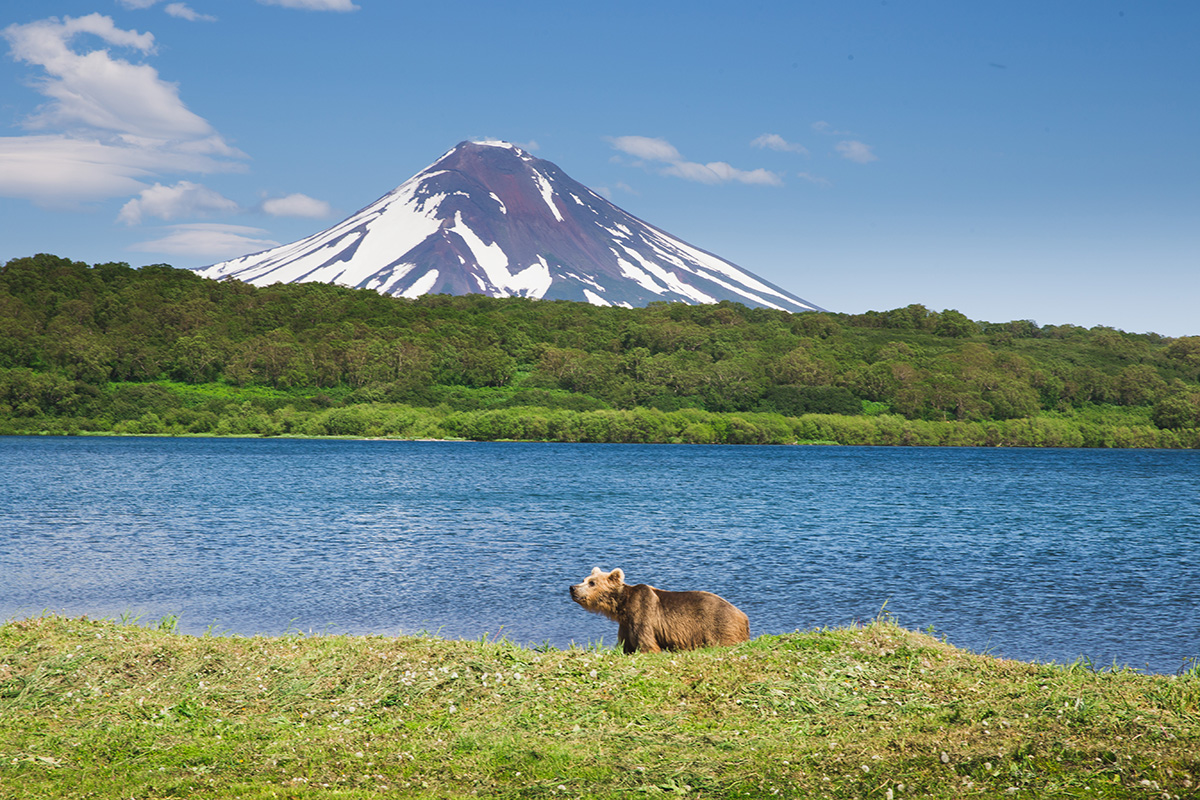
column 547, row 194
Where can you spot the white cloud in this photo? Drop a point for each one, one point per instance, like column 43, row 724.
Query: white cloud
column 773, row 141
column 814, row 179
column 184, row 11
column 110, row 126
column 313, row 5
column 720, row 172
column 207, row 239
column 856, row 151
column 184, row 199
column 136, row 4
column 62, row 171
column 646, row 148
column 297, row 205
column 56, row 170
column 93, row 89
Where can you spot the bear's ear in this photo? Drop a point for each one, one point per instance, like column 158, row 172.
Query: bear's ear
column 596, row 571
column 617, row 576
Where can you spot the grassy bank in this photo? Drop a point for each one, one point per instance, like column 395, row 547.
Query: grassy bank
column 99, row 709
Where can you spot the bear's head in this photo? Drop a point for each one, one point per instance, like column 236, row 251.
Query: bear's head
column 599, row 591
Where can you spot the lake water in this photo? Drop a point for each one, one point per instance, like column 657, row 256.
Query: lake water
column 1046, row 555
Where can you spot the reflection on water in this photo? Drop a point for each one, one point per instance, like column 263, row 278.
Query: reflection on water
column 1032, row 554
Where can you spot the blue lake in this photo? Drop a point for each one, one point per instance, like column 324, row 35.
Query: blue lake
column 1043, row 555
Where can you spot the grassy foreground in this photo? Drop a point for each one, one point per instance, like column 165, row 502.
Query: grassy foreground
column 102, row 709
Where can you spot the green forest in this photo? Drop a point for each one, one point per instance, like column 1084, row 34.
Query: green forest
column 108, row 348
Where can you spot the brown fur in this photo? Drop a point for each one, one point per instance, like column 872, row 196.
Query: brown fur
column 650, row 620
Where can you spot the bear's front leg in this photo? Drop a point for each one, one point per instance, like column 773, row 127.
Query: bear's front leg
column 643, row 640
column 625, row 637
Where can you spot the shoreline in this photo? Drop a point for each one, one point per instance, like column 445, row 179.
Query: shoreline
column 401, row 438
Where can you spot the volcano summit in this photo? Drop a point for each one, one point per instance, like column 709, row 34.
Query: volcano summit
column 488, row 218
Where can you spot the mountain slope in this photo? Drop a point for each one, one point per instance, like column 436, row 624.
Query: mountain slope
column 488, row 218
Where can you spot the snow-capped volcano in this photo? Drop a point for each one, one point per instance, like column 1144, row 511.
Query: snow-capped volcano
column 488, row 218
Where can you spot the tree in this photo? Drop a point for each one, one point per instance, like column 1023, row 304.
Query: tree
column 1138, row 385
column 195, row 359
column 1178, row 410
column 801, row 368
column 954, row 324
column 1185, row 351
column 488, row 366
column 794, row 401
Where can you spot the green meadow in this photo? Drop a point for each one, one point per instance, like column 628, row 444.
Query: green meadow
column 121, row 710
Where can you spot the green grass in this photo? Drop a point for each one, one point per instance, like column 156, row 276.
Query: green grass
column 117, row 710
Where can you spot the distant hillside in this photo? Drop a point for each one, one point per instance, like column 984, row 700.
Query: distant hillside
column 100, row 347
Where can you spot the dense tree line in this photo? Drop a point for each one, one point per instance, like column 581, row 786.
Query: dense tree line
column 160, row 350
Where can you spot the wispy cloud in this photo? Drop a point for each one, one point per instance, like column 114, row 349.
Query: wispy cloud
column 856, row 151
column 851, row 149
column 211, row 240
column 297, row 205
column 109, row 127
column 184, row 199
column 184, row 11
column 821, row 126
column 668, row 161
column 313, row 5
column 773, row 141
column 720, row 172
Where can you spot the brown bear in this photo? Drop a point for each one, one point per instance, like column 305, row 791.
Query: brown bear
column 651, row 620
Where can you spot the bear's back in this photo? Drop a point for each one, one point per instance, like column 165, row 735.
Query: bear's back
column 685, row 620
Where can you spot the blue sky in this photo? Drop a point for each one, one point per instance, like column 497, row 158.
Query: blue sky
column 1012, row 160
